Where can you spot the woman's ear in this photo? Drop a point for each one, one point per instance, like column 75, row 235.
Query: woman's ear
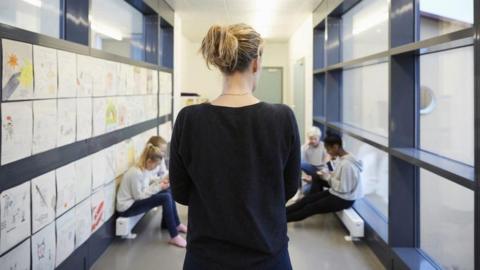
column 255, row 65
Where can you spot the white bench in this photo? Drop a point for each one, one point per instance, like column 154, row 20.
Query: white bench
column 124, row 225
column 353, row 222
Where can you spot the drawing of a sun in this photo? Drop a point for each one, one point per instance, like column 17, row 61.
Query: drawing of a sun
column 13, row 60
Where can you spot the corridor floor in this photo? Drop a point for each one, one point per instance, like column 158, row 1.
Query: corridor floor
column 317, row 243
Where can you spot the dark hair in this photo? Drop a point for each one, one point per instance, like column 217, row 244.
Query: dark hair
column 333, row 139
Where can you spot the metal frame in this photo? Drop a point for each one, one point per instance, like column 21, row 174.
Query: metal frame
column 400, row 249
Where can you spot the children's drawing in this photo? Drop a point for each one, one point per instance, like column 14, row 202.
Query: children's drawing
column 17, row 79
column 84, row 118
column 43, row 248
column 111, row 78
column 122, row 112
column 165, row 130
column 98, row 209
column 99, row 76
column 109, row 191
column 83, row 178
column 85, row 75
column 165, row 82
column 150, row 105
column 67, row 121
column 67, row 74
column 138, row 81
column 65, row 236
column 111, row 117
column 154, row 81
column 83, row 222
column 44, row 198
column 137, row 109
column 125, row 84
column 101, row 169
column 44, row 125
column 65, row 188
column 99, row 120
column 14, row 216
column 18, row 258
column 17, row 131
column 45, row 75
column 165, row 101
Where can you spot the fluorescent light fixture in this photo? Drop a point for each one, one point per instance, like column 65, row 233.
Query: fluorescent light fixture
column 106, row 30
column 264, row 14
column 37, row 3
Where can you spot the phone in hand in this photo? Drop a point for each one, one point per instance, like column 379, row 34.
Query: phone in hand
column 330, row 166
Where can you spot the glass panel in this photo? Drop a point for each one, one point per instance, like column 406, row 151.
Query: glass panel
column 446, row 221
column 365, row 98
column 374, row 173
column 438, row 17
column 117, row 27
column 365, row 29
column 319, row 95
column 447, row 115
column 40, row 16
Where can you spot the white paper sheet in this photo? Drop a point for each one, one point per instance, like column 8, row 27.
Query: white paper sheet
column 99, row 109
column 14, row 216
column 122, row 112
column 67, row 121
column 85, row 76
column 84, row 118
column 109, row 191
column 98, row 209
column 65, row 236
column 165, row 79
column 43, row 248
column 165, row 101
column 111, row 78
column 99, row 74
column 18, row 258
column 83, row 222
column 67, row 74
column 17, row 131
column 165, row 130
column 125, row 156
column 99, row 169
column 44, row 125
column 139, row 80
column 17, row 79
column 45, row 66
column 83, row 178
column 111, row 115
column 126, row 80
column 150, row 105
column 44, row 198
column 65, row 188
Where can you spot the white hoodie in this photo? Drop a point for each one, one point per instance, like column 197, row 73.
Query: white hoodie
column 345, row 181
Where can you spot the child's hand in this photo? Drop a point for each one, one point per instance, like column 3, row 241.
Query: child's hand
column 164, row 184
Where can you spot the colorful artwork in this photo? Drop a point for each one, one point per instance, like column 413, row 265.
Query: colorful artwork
column 111, row 119
column 17, row 131
column 67, row 74
column 65, row 226
column 17, row 79
column 85, row 77
column 44, row 198
column 111, row 78
column 109, row 191
column 122, row 112
column 45, row 75
column 18, row 258
column 43, row 248
column 83, row 178
column 44, row 125
column 99, row 120
column 99, row 76
column 83, row 222
column 14, row 216
column 84, row 118
column 65, row 188
column 67, row 121
column 98, row 209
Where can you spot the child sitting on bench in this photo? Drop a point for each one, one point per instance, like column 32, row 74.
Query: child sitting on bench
column 139, row 192
column 344, row 185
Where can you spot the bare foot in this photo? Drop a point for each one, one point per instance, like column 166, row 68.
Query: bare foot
column 178, row 241
column 182, row 228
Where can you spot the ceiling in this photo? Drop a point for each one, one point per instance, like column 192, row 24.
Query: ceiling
column 275, row 19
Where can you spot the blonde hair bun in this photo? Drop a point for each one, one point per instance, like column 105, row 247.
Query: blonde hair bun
column 231, row 48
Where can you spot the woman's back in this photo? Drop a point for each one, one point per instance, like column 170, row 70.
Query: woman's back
column 235, row 168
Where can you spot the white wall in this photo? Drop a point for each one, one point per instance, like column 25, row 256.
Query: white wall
column 301, row 46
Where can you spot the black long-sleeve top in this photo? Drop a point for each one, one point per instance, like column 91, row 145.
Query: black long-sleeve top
column 235, row 168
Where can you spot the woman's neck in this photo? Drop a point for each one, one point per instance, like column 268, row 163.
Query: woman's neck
column 237, row 92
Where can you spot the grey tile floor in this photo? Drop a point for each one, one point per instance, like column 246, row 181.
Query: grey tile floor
column 316, row 243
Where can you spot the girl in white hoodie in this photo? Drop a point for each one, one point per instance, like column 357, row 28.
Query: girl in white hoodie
column 344, row 185
column 138, row 193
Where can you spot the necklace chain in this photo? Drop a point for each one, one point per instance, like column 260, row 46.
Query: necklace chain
column 243, row 94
